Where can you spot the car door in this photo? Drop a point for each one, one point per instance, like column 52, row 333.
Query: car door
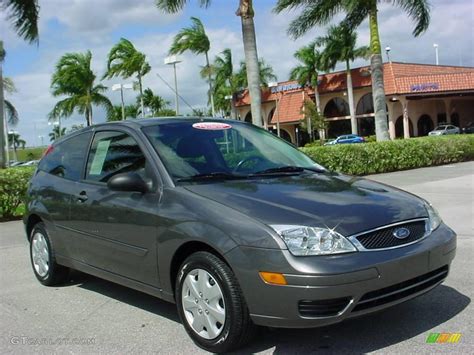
column 53, row 187
column 117, row 230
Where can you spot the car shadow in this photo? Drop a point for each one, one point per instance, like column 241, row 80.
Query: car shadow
column 359, row 335
column 368, row 333
column 125, row 295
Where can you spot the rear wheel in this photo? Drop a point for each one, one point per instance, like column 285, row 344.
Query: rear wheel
column 211, row 305
column 45, row 268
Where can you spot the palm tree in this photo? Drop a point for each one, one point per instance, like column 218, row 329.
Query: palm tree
column 125, row 60
column 15, row 141
column 246, row 13
column 24, row 17
column 307, row 72
column 195, row 40
column 154, row 103
column 115, row 114
column 356, row 11
column 56, row 133
column 265, row 73
column 340, row 46
column 314, row 119
column 74, row 78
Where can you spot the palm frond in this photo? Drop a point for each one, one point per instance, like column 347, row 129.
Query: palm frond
column 11, row 113
column 173, row 6
column 24, row 15
column 418, row 11
column 193, row 39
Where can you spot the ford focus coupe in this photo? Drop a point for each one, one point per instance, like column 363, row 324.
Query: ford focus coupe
column 231, row 223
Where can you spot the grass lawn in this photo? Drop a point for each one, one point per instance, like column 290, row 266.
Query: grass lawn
column 27, row 153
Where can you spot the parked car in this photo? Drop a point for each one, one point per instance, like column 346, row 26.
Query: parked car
column 469, row 128
column 29, row 163
column 247, row 233
column 347, row 139
column 13, row 163
column 444, row 130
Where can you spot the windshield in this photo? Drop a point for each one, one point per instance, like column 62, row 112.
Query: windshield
column 215, row 148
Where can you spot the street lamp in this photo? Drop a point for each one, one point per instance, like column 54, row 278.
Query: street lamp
column 274, row 84
column 435, row 46
column 387, row 50
column 173, row 60
column 122, row 87
column 232, row 107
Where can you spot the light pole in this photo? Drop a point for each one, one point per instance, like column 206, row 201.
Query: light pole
column 232, row 107
column 387, row 50
column 435, row 45
column 277, row 106
column 121, row 87
column 42, row 140
column 173, row 60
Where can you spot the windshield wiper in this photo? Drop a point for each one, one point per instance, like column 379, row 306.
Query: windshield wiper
column 212, row 176
column 287, row 169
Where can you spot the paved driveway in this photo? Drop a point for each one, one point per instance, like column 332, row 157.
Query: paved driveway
column 89, row 315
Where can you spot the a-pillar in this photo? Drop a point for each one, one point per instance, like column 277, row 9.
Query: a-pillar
column 406, row 118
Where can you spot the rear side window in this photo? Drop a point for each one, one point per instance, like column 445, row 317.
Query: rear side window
column 67, row 158
column 115, row 153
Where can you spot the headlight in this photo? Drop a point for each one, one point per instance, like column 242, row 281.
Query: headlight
column 302, row 240
column 435, row 219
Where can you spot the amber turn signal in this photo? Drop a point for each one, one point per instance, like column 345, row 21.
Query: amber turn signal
column 273, row 278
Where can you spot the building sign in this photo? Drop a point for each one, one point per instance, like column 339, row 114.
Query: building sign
column 286, row 87
column 425, row 87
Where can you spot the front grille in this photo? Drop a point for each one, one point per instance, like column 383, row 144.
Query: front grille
column 401, row 290
column 384, row 238
column 322, row 308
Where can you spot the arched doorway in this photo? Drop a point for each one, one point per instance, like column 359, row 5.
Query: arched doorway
column 248, row 117
column 336, row 107
column 365, row 105
column 425, row 125
column 399, row 127
column 283, row 134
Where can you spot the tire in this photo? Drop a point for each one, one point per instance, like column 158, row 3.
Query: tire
column 43, row 262
column 227, row 304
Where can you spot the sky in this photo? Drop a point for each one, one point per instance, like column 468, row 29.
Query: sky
column 79, row 25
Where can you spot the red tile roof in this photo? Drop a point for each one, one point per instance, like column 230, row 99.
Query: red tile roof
column 289, row 105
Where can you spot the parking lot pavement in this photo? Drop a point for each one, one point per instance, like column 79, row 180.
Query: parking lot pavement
column 89, row 315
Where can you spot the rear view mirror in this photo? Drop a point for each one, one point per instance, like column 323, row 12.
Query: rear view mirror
column 127, row 182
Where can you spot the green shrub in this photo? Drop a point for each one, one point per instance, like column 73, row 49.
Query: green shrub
column 13, row 185
column 380, row 157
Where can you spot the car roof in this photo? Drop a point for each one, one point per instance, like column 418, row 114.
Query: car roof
column 144, row 122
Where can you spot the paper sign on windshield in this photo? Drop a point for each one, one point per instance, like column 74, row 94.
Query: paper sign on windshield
column 99, row 157
column 211, row 126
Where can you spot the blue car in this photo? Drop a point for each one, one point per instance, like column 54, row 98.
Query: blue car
column 347, row 139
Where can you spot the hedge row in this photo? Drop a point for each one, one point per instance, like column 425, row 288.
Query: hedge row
column 403, row 154
column 13, row 185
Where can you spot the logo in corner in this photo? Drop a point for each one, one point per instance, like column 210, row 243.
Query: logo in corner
column 401, row 233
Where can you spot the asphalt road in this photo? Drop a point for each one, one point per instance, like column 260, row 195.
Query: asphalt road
column 89, row 315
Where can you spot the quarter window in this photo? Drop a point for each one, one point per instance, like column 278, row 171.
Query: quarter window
column 66, row 159
column 115, row 153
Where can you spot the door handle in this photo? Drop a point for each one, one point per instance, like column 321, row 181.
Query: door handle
column 82, row 197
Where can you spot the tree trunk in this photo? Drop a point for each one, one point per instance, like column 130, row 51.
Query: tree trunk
column 246, row 14
column 3, row 151
column 140, row 87
column 378, row 91
column 350, row 94
column 211, row 91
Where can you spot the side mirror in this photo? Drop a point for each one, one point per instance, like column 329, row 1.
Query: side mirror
column 127, row 182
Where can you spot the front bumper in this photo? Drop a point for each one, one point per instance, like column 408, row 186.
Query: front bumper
column 358, row 283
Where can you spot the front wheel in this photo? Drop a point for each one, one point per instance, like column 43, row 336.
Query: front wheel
column 211, row 305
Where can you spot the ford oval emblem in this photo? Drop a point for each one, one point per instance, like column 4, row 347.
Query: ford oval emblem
column 401, row 233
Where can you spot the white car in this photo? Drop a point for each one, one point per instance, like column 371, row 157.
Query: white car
column 444, row 129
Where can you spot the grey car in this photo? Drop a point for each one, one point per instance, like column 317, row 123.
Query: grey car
column 444, row 130
column 237, row 227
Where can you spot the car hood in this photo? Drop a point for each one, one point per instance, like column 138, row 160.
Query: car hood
column 348, row 204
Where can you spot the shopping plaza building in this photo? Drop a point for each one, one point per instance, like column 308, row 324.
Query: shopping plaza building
column 419, row 97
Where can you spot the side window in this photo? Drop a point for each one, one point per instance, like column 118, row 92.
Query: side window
column 66, row 159
column 115, row 153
